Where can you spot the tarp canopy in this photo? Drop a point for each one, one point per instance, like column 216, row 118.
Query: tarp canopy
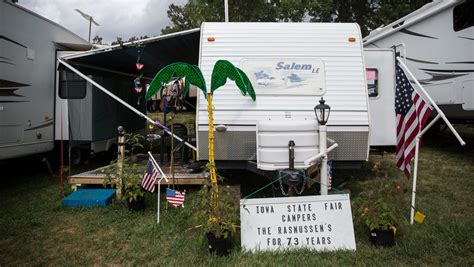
column 155, row 53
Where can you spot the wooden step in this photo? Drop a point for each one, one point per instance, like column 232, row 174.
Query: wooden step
column 182, row 176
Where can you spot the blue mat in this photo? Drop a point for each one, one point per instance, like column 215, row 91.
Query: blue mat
column 89, row 198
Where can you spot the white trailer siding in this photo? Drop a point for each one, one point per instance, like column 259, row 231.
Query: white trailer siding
column 346, row 91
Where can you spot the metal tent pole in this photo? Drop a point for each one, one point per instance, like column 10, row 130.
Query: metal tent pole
column 90, row 27
column 226, row 10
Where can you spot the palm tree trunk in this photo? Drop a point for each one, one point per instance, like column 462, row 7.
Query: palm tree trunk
column 212, row 168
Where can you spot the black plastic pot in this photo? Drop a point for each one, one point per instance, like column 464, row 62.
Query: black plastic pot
column 136, row 205
column 219, row 245
column 382, row 237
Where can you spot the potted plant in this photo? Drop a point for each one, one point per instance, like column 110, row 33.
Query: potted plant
column 379, row 207
column 218, row 224
column 380, row 219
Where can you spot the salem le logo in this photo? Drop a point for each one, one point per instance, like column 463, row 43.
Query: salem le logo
column 294, row 66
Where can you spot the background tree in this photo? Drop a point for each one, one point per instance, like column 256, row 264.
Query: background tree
column 120, row 40
column 369, row 14
column 98, row 40
column 192, row 14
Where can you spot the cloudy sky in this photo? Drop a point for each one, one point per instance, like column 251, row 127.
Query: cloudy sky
column 117, row 18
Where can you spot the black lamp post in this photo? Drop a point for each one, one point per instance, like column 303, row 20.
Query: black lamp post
column 322, row 111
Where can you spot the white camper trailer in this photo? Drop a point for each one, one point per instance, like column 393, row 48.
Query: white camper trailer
column 33, row 106
column 437, row 43
column 281, row 60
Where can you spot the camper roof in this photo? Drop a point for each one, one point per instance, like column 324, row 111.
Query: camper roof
column 154, row 53
column 420, row 14
column 44, row 18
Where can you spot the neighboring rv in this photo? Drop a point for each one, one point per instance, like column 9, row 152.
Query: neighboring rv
column 29, row 86
column 437, row 41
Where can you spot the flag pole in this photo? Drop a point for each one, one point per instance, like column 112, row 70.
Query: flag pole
column 415, row 167
column 432, row 102
column 158, row 203
column 163, row 176
column 415, row 175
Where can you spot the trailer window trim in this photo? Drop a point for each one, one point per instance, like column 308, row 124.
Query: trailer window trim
column 375, row 83
column 71, row 85
column 462, row 16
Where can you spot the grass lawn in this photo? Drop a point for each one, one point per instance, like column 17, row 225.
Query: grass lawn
column 36, row 230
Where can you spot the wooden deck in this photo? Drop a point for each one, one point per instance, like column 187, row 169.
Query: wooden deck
column 182, row 176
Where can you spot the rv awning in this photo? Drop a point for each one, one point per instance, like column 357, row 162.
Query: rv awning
column 154, row 53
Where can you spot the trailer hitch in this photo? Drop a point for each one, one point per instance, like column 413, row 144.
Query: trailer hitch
column 291, row 176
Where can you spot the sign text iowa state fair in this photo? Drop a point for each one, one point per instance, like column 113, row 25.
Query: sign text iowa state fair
column 314, row 222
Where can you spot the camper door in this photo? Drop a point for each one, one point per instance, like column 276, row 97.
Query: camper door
column 380, row 74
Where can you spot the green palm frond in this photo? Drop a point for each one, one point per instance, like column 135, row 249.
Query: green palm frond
column 192, row 74
column 223, row 69
column 250, row 89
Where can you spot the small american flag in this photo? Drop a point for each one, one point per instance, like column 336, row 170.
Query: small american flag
column 175, row 197
column 149, row 178
column 412, row 112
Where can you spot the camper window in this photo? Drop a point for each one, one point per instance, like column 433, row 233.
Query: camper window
column 462, row 16
column 372, row 82
column 71, row 85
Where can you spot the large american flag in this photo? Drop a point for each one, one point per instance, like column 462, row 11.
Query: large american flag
column 175, row 197
column 149, row 178
column 412, row 112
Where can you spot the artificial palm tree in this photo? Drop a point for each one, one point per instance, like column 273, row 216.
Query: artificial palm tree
column 222, row 70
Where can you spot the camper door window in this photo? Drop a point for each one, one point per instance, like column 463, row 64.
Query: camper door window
column 462, row 16
column 372, row 82
column 71, row 85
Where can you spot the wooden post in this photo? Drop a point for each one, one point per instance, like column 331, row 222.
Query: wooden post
column 120, row 159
